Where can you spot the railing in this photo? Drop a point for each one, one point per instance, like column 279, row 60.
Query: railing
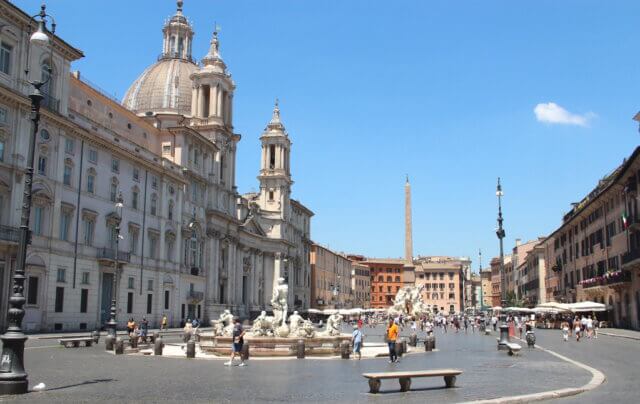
column 8, row 233
column 630, row 256
column 195, row 296
column 50, row 103
column 110, row 254
column 174, row 55
column 610, row 278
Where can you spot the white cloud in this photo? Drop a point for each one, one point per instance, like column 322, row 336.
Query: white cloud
column 553, row 113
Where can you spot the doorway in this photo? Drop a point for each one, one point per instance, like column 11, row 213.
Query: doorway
column 107, row 297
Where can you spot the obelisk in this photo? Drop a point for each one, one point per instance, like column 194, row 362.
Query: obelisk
column 408, row 272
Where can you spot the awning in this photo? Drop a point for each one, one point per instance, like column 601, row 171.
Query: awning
column 587, row 306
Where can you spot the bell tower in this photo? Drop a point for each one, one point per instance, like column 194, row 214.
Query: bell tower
column 177, row 36
column 275, row 171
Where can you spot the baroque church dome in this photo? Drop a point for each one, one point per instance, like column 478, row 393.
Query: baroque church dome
column 165, row 86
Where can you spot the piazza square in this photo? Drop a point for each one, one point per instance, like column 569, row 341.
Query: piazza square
column 382, row 203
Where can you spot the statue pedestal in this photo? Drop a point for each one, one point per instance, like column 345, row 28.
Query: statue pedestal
column 276, row 346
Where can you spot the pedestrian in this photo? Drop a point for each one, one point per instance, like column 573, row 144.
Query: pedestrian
column 356, row 340
column 576, row 329
column 414, row 327
column 392, row 336
column 360, row 323
column 163, row 324
column 131, row 325
column 596, row 326
column 565, row 330
column 187, row 331
column 238, row 341
column 466, row 325
column 144, row 329
column 494, row 322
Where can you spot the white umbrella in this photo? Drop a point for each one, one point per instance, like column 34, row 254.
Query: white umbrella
column 519, row 309
column 315, row 311
column 555, row 305
column 496, row 308
column 587, row 306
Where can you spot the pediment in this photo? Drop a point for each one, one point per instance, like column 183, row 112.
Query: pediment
column 251, row 225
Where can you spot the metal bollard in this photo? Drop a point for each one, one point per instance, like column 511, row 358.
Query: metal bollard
column 119, row 346
column 108, row 343
column 244, row 353
column 133, row 341
column 158, row 345
column 399, row 349
column 404, row 346
column 300, row 349
column 186, row 337
column 433, row 342
column 428, row 344
column 191, row 349
column 96, row 336
column 413, row 340
column 345, row 349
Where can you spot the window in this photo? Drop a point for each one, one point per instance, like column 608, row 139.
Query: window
column 66, row 178
column 194, row 192
column 272, row 156
column 134, row 199
column 69, row 145
column 59, row 299
column 130, row 302
column 166, row 300
column 89, row 226
column 133, row 241
column 166, row 149
column 85, row 278
column 93, row 155
column 62, row 275
column 32, row 290
column 150, row 284
column 170, row 212
column 154, row 182
column 42, row 165
column 169, row 247
column 221, row 167
column 115, row 165
column 65, row 224
column 5, row 58
column 154, row 205
column 113, row 190
column 84, row 299
column 271, row 194
column 131, row 282
column 153, row 245
column 91, row 181
column 38, row 214
column 149, row 303
column 136, row 174
column 1, row 149
column 3, row 115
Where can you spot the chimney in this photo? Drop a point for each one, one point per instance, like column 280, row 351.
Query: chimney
column 518, row 242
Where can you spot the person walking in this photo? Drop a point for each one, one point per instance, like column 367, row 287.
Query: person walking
column 163, row 324
column 565, row 331
column 238, row 341
column 144, row 329
column 576, row 329
column 392, row 337
column 494, row 322
column 356, row 340
column 131, row 325
column 589, row 327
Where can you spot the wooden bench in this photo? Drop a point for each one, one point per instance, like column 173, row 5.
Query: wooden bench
column 514, row 349
column 405, row 378
column 76, row 342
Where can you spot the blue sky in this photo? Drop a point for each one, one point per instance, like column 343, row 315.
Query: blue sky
column 372, row 90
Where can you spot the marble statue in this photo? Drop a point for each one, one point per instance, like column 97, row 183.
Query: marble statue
column 223, row 326
column 408, row 302
column 334, row 323
column 306, row 330
column 279, row 303
column 263, row 325
column 294, row 322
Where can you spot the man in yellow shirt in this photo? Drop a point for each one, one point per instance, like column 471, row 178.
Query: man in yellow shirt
column 392, row 337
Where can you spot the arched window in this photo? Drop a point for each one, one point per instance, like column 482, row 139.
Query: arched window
column 180, row 46
column 170, row 211
column 172, row 44
column 154, row 204
column 113, row 189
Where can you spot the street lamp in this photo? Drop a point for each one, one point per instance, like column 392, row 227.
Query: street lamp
column 13, row 376
column 504, row 328
column 112, row 324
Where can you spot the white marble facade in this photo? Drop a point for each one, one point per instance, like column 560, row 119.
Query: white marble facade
column 192, row 244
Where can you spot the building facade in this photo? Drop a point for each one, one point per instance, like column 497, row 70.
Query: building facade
column 386, row 276
column 360, row 285
column 191, row 245
column 442, row 279
column 331, row 279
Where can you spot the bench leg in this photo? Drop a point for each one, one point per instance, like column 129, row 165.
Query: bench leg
column 374, row 386
column 450, row 381
column 405, row 384
column 76, row 344
column 510, row 352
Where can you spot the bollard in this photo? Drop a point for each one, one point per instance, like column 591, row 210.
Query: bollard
column 433, row 342
column 108, row 342
column 398, row 349
column 96, row 336
column 345, row 349
column 300, row 349
column 133, row 341
column 186, row 336
column 119, row 346
column 158, row 345
column 154, row 336
column 404, row 346
column 427, row 345
column 244, row 352
column 191, row 349
column 413, row 340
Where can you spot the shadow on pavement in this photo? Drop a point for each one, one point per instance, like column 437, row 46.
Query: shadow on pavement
column 94, row 381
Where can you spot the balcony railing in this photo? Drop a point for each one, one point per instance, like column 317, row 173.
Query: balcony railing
column 195, row 296
column 8, row 233
column 610, row 278
column 110, row 254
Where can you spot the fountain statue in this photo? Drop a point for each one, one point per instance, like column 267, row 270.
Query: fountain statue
column 280, row 306
column 334, row 323
column 408, row 302
column 262, row 325
column 223, row 325
column 294, row 322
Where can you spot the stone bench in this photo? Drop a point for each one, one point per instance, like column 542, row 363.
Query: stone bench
column 405, row 378
column 514, row 349
column 76, row 342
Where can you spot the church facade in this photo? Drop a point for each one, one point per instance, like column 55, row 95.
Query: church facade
column 190, row 244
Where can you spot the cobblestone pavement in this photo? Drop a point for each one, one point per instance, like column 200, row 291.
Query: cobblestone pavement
column 90, row 374
column 617, row 358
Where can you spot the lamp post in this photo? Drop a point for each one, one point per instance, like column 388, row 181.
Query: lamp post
column 13, row 376
column 112, row 324
column 504, row 328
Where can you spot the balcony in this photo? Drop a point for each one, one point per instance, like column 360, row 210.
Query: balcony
column 10, row 234
column 194, row 296
column 631, row 257
column 109, row 255
column 608, row 279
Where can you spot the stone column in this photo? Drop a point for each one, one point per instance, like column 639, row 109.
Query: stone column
column 219, row 102
column 230, row 109
column 212, row 97
column 194, row 100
